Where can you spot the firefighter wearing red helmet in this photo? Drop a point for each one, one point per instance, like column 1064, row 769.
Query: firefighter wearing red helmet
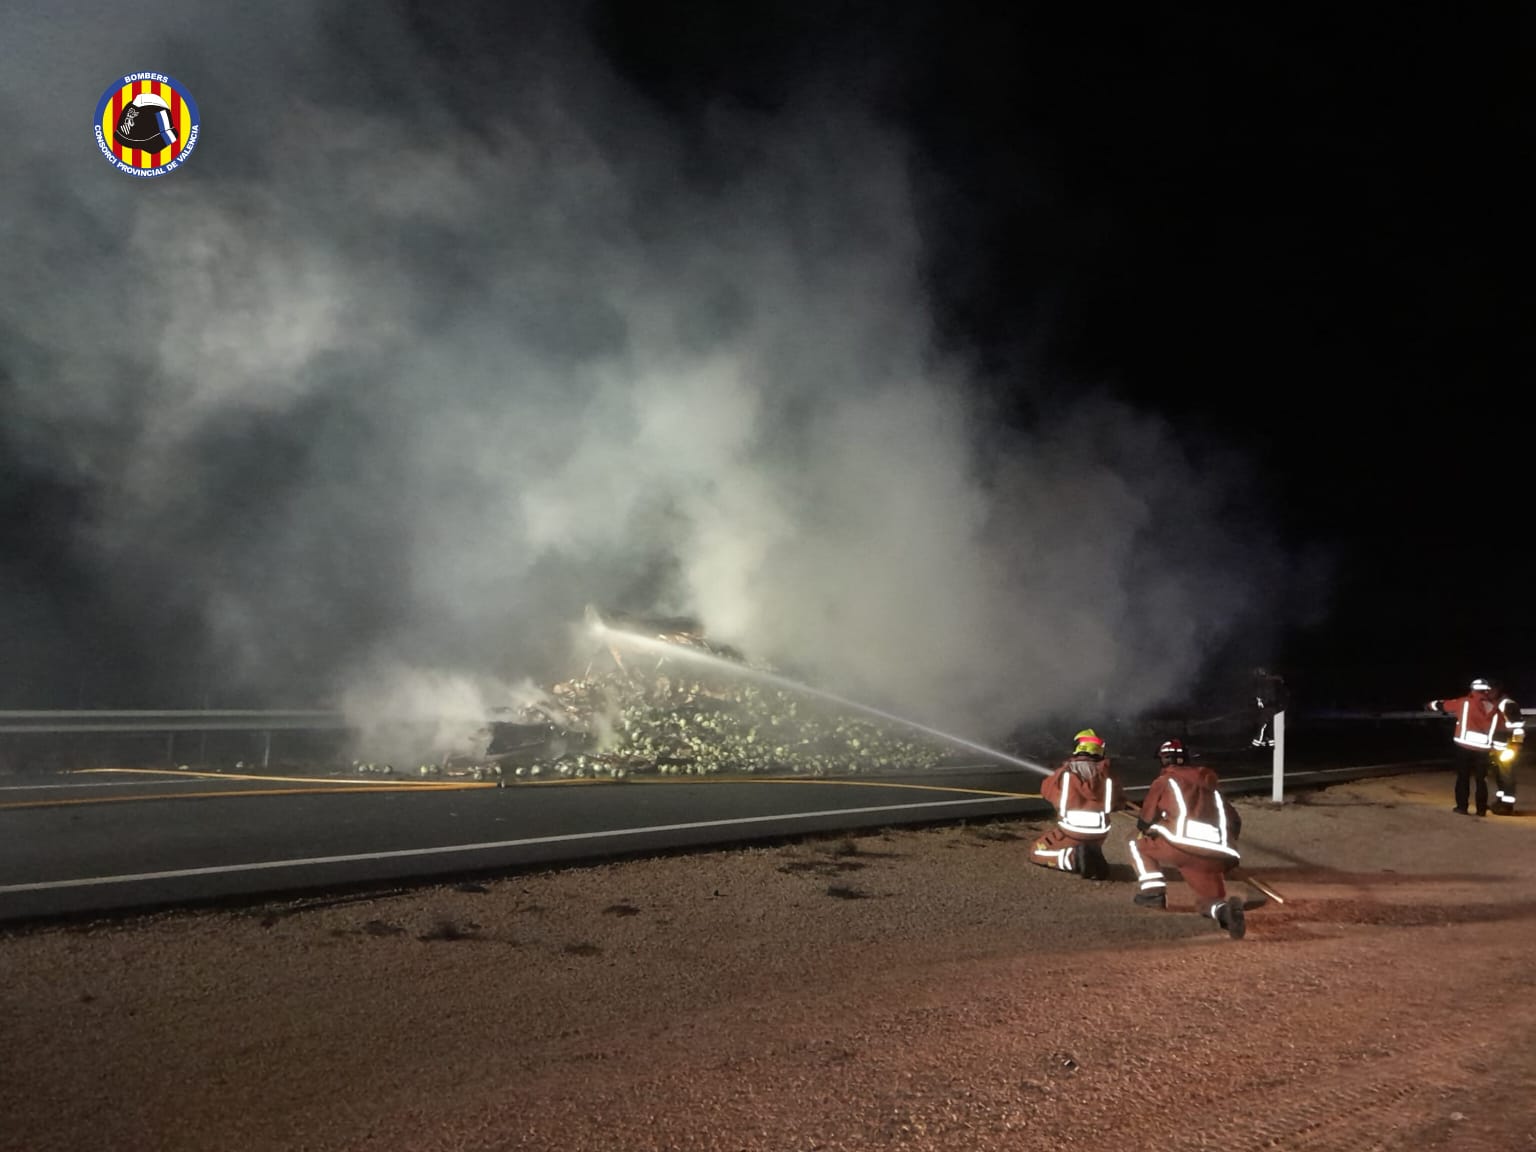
column 1489, row 724
column 1084, row 793
column 1186, row 824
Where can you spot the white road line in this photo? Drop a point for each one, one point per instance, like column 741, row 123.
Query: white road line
column 402, row 853
column 1299, row 772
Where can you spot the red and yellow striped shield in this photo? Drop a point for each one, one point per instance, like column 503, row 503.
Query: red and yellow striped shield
column 165, row 115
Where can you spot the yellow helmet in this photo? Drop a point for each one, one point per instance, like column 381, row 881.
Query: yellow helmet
column 1088, row 741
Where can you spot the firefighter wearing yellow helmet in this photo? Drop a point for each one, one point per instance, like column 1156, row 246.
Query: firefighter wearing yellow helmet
column 1088, row 742
column 1084, row 793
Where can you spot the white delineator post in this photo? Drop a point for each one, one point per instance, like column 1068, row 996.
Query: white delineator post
column 1279, row 789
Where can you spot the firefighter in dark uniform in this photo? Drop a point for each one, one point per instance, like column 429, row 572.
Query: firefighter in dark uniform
column 1269, row 698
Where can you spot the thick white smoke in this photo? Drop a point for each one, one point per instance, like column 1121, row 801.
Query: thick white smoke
column 384, row 386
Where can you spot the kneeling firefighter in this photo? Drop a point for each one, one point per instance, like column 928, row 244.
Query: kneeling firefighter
column 1186, row 824
column 1084, row 793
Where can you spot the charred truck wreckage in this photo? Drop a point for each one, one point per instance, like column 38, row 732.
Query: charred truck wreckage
column 656, row 711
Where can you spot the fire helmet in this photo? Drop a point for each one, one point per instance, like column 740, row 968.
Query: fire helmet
column 1172, row 752
column 1088, row 741
column 1481, row 685
column 146, row 123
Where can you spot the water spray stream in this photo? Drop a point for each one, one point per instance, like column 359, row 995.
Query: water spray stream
column 621, row 638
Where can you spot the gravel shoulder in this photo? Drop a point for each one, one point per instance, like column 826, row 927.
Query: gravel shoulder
column 913, row 989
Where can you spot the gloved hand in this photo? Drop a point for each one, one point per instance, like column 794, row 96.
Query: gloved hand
column 1142, row 826
column 1432, row 706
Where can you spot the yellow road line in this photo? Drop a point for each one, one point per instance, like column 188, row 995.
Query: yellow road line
column 829, row 780
column 177, row 774
column 568, row 781
column 193, row 774
column 87, row 800
column 335, row 786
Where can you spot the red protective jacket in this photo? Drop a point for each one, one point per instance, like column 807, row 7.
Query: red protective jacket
column 1483, row 720
column 1084, row 793
column 1184, row 808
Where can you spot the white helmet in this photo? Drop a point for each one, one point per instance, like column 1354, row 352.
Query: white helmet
column 1481, row 685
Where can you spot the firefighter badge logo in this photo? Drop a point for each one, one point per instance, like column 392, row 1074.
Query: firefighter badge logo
column 146, row 124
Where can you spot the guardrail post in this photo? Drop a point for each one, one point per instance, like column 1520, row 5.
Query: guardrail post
column 266, row 749
column 1278, row 795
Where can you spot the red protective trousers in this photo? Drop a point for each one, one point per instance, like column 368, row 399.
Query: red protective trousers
column 1058, row 847
column 1206, row 877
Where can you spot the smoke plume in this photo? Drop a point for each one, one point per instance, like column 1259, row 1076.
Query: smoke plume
column 423, row 351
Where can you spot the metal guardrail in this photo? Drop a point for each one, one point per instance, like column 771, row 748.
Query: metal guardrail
column 226, row 720
column 314, row 720
column 1416, row 714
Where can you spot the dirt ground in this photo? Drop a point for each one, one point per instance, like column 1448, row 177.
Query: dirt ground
column 914, row 989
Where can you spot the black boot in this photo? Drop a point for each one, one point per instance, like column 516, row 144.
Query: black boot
column 1232, row 917
column 1095, row 867
column 1151, row 898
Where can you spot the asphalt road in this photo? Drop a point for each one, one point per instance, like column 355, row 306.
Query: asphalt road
column 112, row 840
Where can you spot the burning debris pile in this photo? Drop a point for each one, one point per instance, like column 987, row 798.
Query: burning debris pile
column 650, row 713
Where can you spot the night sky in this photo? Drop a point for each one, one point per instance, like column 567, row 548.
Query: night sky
column 1290, row 234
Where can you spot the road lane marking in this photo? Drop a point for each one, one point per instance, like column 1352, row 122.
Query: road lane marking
column 823, row 780
column 194, row 774
column 491, row 846
column 334, row 787
column 70, row 802
column 92, row 784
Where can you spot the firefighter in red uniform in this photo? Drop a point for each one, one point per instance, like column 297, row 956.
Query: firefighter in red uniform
column 1186, row 824
column 1488, row 725
column 1084, row 793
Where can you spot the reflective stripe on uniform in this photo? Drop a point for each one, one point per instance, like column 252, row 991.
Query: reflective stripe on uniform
column 1086, row 820
column 1060, row 857
column 1151, row 879
column 1470, row 739
column 1180, row 833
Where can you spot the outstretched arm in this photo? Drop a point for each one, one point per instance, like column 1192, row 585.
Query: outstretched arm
column 1051, row 786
